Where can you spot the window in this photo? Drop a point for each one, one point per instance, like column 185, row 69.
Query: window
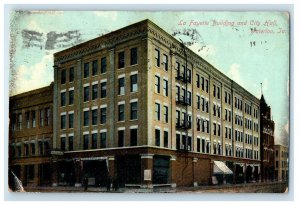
column 166, row 138
column 177, row 141
column 214, row 90
column 121, row 116
column 19, row 150
column 189, row 143
column 165, row 62
column 85, row 141
column 198, row 144
column 157, row 137
column 20, row 121
column 189, row 97
column 27, row 119
column 198, row 80
column 94, row 141
column 198, row 122
column 157, row 84
column 177, row 69
column 71, row 120
column 177, row 93
column 33, row 118
column 203, row 146
column 121, row 59
column 215, row 128
column 63, row 76
column 207, row 126
column 133, row 56
column 133, row 83
column 157, row 57
column 86, row 118
column 198, row 102
column 121, row 138
column 203, row 125
column 71, row 97
column 32, row 147
column 166, row 114
column 103, row 140
column 95, row 92
column 165, row 87
column 86, row 94
column 71, row 74
column 177, row 117
column 103, row 115
column 30, row 172
column 63, row 143
column 103, row 65
column 41, row 118
column 63, row 99
column 157, row 111
column 133, row 137
column 219, row 130
column 218, row 92
column 203, row 103
column 202, row 83
column 26, row 149
column 63, row 121
column 121, row 86
column 86, row 70
column 189, row 75
column 94, row 116
column 133, row 111
column 71, row 142
column 95, row 68
column 103, row 90
column 206, row 85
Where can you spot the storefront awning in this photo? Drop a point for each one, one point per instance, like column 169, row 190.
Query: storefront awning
column 221, row 168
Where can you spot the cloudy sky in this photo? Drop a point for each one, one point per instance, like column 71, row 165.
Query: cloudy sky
column 249, row 47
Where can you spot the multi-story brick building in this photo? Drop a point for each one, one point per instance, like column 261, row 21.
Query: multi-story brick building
column 281, row 163
column 267, row 127
column 30, row 136
column 138, row 106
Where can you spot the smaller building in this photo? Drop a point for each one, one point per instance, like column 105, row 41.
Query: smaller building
column 281, row 163
column 30, row 137
column 267, row 127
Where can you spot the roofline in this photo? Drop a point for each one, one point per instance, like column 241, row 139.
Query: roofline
column 78, row 46
column 149, row 22
column 31, row 92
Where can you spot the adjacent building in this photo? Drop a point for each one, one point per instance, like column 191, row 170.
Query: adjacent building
column 267, row 127
column 30, row 137
column 138, row 107
column 281, row 163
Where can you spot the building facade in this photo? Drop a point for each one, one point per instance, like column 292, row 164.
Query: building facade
column 281, row 163
column 30, row 137
column 267, row 127
column 137, row 107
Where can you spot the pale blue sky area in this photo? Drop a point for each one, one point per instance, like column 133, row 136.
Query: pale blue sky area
column 247, row 58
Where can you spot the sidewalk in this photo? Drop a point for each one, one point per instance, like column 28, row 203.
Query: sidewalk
column 268, row 187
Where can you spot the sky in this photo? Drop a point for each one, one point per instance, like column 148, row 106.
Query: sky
column 249, row 47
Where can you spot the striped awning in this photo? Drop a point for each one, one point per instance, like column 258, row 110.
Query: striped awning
column 221, row 168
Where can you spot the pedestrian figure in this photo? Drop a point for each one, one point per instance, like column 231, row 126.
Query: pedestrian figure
column 116, row 183
column 85, row 183
column 108, row 182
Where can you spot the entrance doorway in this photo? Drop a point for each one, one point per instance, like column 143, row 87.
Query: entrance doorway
column 96, row 171
column 128, row 170
column 161, row 167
